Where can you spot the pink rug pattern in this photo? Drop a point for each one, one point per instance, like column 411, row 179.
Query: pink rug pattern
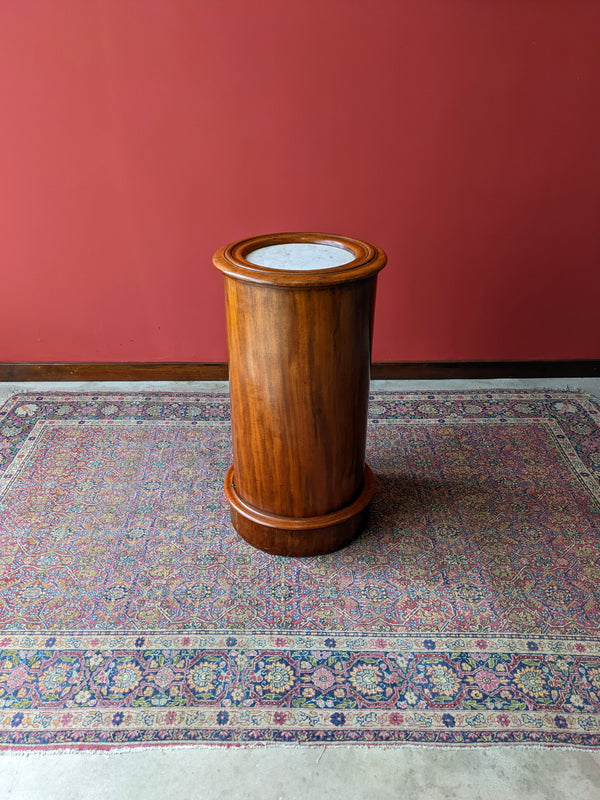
column 467, row 613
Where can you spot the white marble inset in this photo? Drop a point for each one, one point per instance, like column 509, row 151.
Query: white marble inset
column 300, row 256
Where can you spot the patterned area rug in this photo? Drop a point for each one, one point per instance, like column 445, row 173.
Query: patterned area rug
column 467, row 613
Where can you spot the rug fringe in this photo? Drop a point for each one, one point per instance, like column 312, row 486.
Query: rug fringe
column 114, row 750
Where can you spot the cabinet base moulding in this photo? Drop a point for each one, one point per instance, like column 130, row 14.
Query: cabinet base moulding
column 299, row 536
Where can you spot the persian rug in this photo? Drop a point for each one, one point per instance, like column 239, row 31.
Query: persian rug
column 468, row 613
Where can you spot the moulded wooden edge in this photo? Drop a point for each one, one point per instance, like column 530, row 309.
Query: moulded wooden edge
column 231, row 261
column 299, row 536
column 299, row 545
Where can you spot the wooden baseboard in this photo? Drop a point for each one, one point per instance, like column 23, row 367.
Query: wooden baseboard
column 113, row 372
column 382, row 370
column 471, row 370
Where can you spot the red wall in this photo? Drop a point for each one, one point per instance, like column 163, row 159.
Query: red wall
column 136, row 137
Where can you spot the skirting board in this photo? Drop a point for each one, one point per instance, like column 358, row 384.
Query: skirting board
column 382, row 370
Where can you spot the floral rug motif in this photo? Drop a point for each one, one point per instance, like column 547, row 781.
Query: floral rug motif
column 468, row 612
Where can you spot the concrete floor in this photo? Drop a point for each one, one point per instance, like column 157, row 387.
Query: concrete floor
column 302, row 773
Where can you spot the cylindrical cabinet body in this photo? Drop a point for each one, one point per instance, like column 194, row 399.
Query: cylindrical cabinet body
column 299, row 336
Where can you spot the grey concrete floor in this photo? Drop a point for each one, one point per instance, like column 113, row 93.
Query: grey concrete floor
column 303, row 773
column 591, row 385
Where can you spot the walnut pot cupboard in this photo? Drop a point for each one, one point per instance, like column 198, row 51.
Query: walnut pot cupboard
column 299, row 312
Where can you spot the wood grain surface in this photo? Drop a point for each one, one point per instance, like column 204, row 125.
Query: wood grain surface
column 299, row 367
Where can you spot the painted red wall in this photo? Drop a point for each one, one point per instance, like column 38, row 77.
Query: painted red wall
column 136, row 137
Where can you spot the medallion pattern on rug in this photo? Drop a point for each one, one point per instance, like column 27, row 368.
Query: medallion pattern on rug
column 468, row 612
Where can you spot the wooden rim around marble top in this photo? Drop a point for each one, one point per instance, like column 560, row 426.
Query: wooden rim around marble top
column 232, row 261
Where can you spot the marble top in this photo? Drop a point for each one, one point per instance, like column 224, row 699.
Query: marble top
column 299, row 256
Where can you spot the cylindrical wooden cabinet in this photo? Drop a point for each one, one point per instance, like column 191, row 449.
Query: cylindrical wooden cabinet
column 299, row 325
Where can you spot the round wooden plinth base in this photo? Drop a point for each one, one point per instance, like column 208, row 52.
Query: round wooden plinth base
column 299, row 536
